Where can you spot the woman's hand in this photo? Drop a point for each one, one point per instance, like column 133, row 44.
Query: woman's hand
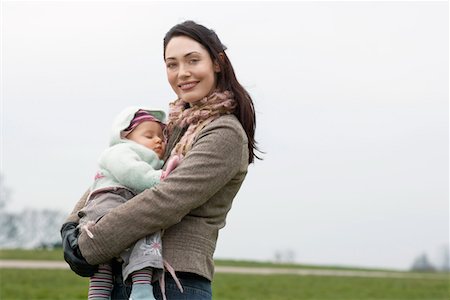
column 72, row 253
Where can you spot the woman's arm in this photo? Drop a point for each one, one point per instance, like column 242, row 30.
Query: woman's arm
column 213, row 161
column 69, row 234
column 73, row 217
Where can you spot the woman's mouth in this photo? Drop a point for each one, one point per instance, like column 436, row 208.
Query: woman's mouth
column 187, row 86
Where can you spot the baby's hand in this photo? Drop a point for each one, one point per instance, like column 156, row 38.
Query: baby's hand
column 171, row 165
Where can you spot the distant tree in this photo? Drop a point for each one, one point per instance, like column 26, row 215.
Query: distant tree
column 5, row 192
column 284, row 256
column 422, row 264
column 30, row 228
column 444, row 259
column 8, row 224
column 277, row 256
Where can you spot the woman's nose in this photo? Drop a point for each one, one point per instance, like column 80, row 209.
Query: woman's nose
column 183, row 71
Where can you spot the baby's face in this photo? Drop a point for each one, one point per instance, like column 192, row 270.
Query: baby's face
column 150, row 135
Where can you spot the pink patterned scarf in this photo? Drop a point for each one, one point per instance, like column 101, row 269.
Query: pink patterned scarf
column 197, row 116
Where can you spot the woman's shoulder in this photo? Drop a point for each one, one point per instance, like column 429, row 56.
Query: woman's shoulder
column 228, row 125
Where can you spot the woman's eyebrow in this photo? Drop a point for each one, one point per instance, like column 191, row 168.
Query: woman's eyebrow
column 186, row 55
column 191, row 53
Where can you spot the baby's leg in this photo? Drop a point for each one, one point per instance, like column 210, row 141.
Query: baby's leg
column 101, row 283
column 142, row 285
column 139, row 262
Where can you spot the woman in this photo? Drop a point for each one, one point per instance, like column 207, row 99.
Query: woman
column 211, row 126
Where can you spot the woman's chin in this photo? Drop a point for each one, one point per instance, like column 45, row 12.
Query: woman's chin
column 191, row 97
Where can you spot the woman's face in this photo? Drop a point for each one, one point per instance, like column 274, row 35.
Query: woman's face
column 190, row 70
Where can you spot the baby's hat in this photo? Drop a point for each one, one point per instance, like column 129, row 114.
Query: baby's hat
column 129, row 118
column 140, row 116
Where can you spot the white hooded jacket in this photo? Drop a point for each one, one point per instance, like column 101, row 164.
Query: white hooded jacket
column 127, row 164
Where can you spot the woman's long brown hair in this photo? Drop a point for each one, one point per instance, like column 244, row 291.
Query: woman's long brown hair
column 226, row 78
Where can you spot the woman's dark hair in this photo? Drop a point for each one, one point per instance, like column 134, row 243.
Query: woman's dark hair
column 226, row 78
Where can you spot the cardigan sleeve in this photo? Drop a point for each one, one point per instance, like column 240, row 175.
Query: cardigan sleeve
column 214, row 159
column 73, row 217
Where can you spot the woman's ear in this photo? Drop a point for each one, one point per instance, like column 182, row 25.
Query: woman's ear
column 216, row 67
column 216, row 63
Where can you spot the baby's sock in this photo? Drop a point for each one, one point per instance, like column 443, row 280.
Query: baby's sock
column 101, row 283
column 142, row 285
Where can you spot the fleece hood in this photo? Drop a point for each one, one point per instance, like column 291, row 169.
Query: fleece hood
column 123, row 120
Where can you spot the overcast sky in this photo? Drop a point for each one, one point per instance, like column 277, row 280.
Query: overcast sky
column 352, row 114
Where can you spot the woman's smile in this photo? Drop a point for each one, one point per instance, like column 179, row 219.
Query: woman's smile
column 186, row 86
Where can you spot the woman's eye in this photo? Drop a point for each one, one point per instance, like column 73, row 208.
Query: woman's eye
column 171, row 66
column 193, row 61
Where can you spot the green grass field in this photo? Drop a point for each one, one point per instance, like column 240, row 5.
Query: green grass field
column 63, row 284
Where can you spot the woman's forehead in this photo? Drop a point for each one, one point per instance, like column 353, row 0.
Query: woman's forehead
column 181, row 46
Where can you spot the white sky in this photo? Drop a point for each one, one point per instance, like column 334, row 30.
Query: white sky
column 352, row 112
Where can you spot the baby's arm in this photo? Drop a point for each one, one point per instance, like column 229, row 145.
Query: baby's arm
column 134, row 170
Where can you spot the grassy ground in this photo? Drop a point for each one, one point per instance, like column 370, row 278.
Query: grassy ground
column 18, row 284
column 41, row 284
column 54, row 254
column 254, row 264
column 287, row 287
column 63, row 284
